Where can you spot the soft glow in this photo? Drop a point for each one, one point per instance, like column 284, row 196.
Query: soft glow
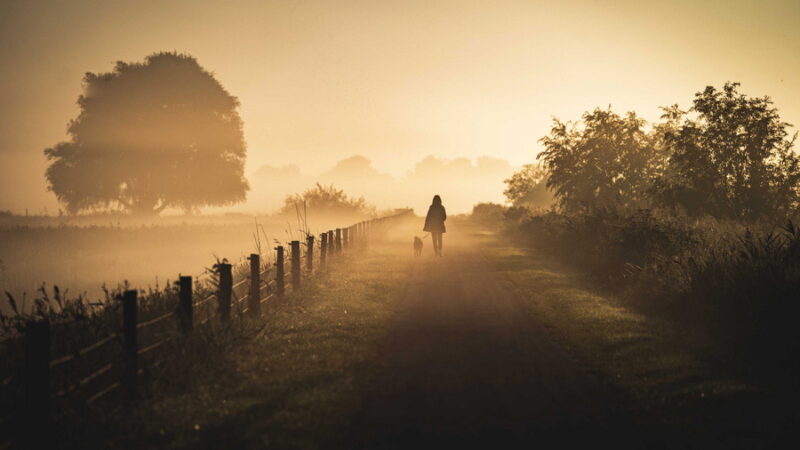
column 393, row 81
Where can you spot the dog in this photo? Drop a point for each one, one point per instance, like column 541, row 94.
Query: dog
column 417, row 246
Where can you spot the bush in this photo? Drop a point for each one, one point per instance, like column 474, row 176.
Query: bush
column 322, row 201
column 751, row 283
column 488, row 213
column 609, row 243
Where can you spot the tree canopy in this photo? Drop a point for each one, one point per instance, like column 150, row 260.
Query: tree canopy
column 604, row 160
column 152, row 135
column 728, row 156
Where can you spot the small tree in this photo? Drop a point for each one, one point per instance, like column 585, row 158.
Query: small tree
column 733, row 159
column 528, row 187
column 604, row 161
column 162, row 133
column 326, row 201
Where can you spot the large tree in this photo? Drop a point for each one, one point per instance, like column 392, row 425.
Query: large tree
column 730, row 157
column 151, row 135
column 603, row 161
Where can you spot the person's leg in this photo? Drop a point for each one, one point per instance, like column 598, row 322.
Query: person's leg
column 437, row 243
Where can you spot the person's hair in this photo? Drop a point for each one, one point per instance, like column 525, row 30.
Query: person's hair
column 437, row 200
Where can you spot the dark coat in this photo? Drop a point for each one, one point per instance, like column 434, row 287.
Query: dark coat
column 434, row 221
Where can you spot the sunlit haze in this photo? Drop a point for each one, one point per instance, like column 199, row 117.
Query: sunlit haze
column 394, row 82
column 399, row 224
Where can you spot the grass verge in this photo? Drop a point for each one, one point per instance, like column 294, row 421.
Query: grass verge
column 296, row 384
column 669, row 372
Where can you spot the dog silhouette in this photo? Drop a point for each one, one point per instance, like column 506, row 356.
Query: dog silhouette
column 417, row 246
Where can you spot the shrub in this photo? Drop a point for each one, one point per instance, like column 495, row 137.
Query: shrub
column 609, row 243
column 488, row 213
column 750, row 283
column 326, row 201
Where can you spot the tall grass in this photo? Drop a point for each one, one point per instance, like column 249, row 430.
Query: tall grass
column 77, row 324
column 739, row 282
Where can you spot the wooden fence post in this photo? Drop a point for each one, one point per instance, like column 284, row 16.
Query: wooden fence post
column 185, row 305
column 345, row 237
column 37, row 382
column 279, row 276
column 130, row 342
column 255, row 285
column 310, row 254
column 225, row 291
column 331, row 243
column 295, row 264
column 323, row 249
column 338, row 240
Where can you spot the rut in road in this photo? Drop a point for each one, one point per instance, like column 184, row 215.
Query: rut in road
column 465, row 366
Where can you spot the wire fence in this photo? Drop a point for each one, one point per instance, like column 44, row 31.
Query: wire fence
column 56, row 374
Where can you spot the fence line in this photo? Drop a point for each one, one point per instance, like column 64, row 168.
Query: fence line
column 263, row 285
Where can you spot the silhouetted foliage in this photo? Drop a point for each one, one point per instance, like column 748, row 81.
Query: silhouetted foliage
column 728, row 156
column 732, row 160
column 326, row 200
column 528, row 187
column 604, row 160
column 739, row 283
column 488, row 213
column 162, row 133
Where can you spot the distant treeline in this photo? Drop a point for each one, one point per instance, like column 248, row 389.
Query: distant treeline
column 460, row 181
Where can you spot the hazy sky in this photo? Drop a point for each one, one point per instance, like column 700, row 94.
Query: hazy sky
column 392, row 80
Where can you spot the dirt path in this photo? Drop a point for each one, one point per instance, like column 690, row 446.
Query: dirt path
column 465, row 367
column 492, row 346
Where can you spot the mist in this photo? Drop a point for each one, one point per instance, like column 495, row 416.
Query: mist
column 460, row 181
column 367, row 224
column 319, row 82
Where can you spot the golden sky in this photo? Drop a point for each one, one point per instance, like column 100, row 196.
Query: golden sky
column 392, row 80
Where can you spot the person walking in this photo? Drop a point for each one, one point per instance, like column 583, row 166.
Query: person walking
column 434, row 223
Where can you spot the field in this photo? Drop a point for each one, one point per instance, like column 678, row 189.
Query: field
column 82, row 254
column 91, row 362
